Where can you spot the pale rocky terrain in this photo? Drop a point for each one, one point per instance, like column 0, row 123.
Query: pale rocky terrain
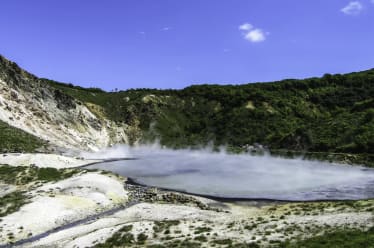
column 240, row 224
column 37, row 108
column 237, row 225
column 163, row 217
column 55, row 204
column 43, row 160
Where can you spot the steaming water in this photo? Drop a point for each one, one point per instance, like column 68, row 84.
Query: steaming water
column 243, row 176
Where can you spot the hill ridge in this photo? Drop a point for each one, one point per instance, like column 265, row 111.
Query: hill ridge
column 334, row 113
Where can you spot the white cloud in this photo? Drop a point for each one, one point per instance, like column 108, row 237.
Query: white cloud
column 255, row 35
column 166, row 28
column 252, row 34
column 247, row 26
column 353, row 8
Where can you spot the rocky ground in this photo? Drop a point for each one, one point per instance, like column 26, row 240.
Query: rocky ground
column 43, row 160
column 130, row 215
column 61, row 122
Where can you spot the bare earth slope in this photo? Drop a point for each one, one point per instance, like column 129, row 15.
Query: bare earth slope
column 33, row 106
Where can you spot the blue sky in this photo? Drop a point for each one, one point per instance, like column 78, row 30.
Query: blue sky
column 175, row 43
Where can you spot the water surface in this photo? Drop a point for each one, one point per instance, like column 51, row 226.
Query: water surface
column 244, row 176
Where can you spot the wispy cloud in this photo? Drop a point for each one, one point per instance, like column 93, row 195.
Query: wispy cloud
column 247, row 26
column 255, row 35
column 166, row 29
column 252, row 34
column 353, row 8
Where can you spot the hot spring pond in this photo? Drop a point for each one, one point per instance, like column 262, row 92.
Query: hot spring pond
column 244, row 176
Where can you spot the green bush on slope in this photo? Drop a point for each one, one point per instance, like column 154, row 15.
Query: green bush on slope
column 334, row 113
column 15, row 140
column 338, row 239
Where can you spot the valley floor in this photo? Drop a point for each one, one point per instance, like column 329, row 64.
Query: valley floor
column 74, row 207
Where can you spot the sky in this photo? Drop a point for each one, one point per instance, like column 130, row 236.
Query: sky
column 175, row 43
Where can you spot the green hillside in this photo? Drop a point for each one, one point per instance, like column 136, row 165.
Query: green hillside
column 334, row 113
column 15, row 140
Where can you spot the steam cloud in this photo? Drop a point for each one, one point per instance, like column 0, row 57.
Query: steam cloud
column 239, row 176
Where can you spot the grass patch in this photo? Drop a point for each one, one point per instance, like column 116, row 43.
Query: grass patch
column 163, row 226
column 142, row 238
column 21, row 175
column 202, row 229
column 223, row 242
column 12, row 202
column 15, row 140
column 201, row 238
column 336, row 239
column 177, row 243
column 122, row 238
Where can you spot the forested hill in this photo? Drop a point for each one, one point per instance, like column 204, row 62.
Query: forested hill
column 334, row 113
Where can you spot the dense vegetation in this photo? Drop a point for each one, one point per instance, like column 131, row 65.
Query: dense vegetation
column 12, row 202
column 338, row 239
column 15, row 140
column 334, row 113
